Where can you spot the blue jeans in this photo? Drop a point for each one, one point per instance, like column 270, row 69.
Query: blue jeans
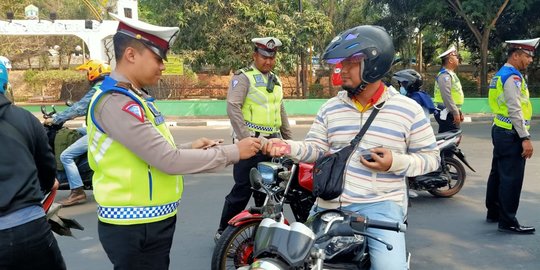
column 380, row 257
column 67, row 158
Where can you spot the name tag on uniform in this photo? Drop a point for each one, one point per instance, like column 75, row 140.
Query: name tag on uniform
column 158, row 118
column 259, row 80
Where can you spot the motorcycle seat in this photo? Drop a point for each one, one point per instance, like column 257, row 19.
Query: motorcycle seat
column 448, row 134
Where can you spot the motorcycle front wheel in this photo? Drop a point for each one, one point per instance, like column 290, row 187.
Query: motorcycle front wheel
column 235, row 247
column 455, row 173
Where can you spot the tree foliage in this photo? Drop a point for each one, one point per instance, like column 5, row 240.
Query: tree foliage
column 219, row 33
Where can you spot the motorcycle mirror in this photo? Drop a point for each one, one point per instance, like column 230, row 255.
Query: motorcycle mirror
column 53, row 110
column 43, row 110
column 255, row 178
column 69, row 103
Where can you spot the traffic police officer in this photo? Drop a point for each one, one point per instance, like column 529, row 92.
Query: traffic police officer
column 448, row 93
column 137, row 166
column 509, row 101
column 255, row 108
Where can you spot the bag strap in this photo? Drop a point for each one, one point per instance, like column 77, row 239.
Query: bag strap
column 365, row 127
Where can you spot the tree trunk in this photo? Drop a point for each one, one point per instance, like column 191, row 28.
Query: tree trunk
column 484, row 62
column 303, row 75
column 297, row 79
column 419, row 58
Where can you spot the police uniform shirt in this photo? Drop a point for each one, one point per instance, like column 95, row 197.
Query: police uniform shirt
column 512, row 94
column 238, row 89
column 147, row 143
column 445, row 85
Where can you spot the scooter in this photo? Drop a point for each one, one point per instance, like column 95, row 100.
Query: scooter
column 82, row 162
column 59, row 225
column 450, row 177
column 331, row 239
column 279, row 181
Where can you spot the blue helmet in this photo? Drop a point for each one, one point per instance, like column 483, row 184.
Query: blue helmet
column 3, row 78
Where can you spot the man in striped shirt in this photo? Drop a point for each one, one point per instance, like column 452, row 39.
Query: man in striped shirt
column 400, row 133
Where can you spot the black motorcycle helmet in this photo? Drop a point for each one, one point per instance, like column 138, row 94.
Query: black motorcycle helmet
column 410, row 79
column 369, row 41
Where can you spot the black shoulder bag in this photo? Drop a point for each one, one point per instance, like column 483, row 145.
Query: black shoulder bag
column 328, row 170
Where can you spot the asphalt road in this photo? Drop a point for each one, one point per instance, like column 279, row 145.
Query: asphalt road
column 443, row 233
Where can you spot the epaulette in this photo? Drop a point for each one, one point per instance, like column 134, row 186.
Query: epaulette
column 246, row 69
column 129, row 86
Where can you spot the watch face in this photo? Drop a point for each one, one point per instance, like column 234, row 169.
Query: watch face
column 329, row 216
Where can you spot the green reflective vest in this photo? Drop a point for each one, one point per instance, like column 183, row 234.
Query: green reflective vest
column 456, row 91
column 126, row 188
column 261, row 108
column 497, row 103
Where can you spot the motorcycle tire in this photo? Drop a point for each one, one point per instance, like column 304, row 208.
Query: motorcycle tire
column 234, row 248
column 456, row 172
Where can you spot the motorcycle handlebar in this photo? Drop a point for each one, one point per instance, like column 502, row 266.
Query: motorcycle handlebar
column 378, row 224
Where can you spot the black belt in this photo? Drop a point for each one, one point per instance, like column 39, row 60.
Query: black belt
column 273, row 135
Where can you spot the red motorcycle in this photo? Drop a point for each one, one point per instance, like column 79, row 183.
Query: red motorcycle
column 283, row 185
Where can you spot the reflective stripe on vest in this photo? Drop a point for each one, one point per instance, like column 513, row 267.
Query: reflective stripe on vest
column 497, row 102
column 126, row 188
column 262, row 109
column 456, row 90
column 136, row 212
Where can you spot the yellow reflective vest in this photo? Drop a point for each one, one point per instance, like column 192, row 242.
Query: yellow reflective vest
column 126, row 188
column 262, row 108
column 497, row 103
column 456, row 91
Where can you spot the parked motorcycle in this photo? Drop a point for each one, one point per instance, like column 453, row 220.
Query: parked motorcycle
column 82, row 162
column 450, row 177
column 280, row 182
column 59, row 225
column 331, row 239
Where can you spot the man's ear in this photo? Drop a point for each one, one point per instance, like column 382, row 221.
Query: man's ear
column 130, row 54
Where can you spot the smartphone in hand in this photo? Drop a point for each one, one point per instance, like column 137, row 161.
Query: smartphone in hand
column 366, row 154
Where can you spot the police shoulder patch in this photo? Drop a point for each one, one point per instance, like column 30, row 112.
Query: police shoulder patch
column 517, row 82
column 234, row 83
column 134, row 109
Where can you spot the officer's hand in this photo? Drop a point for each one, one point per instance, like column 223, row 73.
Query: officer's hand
column 48, row 121
column 527, row 149
column 379, row 163
column 248, row 147
column 457, row 118
column 205, row 143
column 275, row 147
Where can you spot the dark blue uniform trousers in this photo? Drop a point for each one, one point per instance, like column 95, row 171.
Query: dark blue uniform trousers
column 240, row 194
column 141, row 246
column 506, row 176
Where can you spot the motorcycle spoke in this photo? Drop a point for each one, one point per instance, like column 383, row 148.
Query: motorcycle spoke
column 240, row 251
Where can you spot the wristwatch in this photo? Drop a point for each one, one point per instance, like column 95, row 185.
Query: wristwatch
column 526, row 138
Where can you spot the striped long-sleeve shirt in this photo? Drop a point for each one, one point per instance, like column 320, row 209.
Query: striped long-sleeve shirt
column 400, row 126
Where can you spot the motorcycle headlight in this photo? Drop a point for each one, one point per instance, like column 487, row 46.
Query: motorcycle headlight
column 269, row 171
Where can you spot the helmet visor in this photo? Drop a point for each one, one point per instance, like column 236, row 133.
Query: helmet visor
column 355, row 58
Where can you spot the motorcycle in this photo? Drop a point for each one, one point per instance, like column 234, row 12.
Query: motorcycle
column 82, row 161
column 280, row 181
column 450, row 177
column 331, row 239
column 59, row 225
